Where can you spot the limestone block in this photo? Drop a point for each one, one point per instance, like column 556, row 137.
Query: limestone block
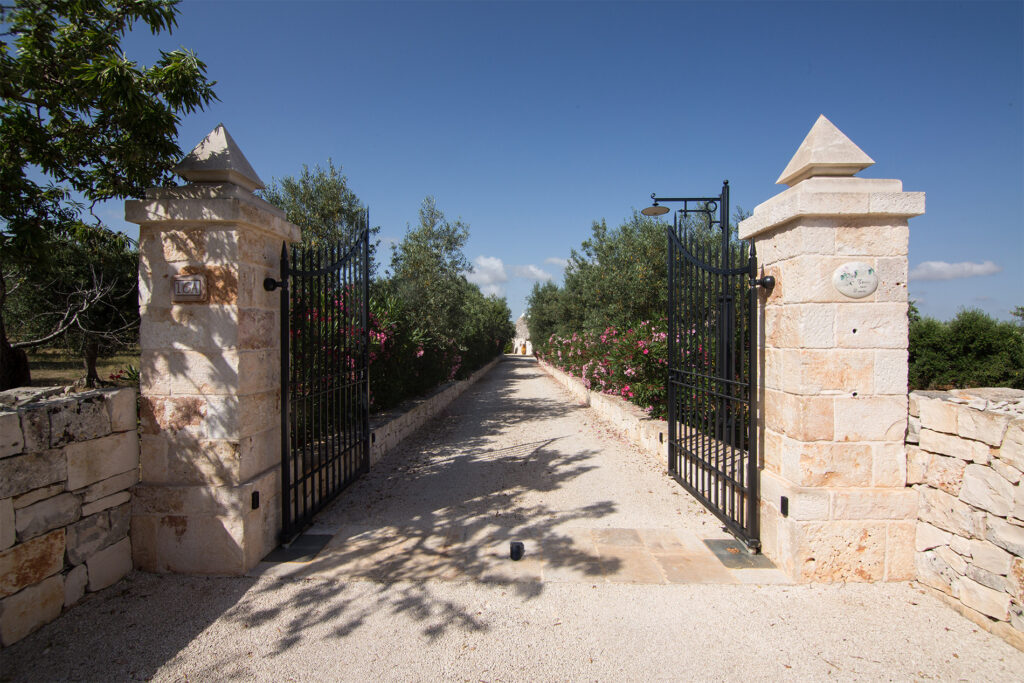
column 952, row 558
column 840, row 551
column 26, row 611
column 810, row 371
column 917, row 464
column 929, row 537
column 207, row 328
column 889, row 465
column 75, row 582
column 954, row 446
column 868, row 238
column 96, row 532
column 107, row 487
column 938, row 415
column 119, row 498
column 30, row 562
column 933, row 571
column 11, row 440
column 944, row 473
column 93, row 461
column 122, row 409
column 208, row 372
column 1007, row 536
column 78, row 419
column 7, row 534
column 258, row 329
column 899, row 551
column 773, row 369
column 871, row 326
column 256, row 249
column 985, row 426
column 1016, row 579
column 892, row 279
column 946, row 512
column 188, row 545
column 874, row 503
column 22, row 473
column 110, row 565
column 805, row 418
column 985, row 489
column 36, row 495
column 826, row 464
column 989, row 602
column 988, row 579
column 257, row 412
column 807, row 326
column 1012, row 450
column 1008, row 473
column 259, row 371
column 804, row 503
column 874, row 418
column 890, row 372
column 960, row 545
column 35, row 428
column 38, row 518
column 915, row 410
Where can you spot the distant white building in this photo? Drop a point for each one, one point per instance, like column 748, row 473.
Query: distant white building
column 521, row 345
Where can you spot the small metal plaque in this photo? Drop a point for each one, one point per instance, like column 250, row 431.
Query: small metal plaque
column 188, row 288
column 855, row 280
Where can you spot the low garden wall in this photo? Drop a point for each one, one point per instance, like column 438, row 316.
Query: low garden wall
column 66, row 466
column 965, row 457
column 647, row 433
column 390, row 428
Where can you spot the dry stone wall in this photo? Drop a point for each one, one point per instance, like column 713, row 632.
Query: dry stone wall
column 66, row 466
column 965, row 458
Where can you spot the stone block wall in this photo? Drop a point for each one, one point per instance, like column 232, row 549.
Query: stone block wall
column 66, row 466
column 966, row 462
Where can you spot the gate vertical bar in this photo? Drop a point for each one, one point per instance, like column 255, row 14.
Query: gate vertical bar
column 365, row 374
column 753, row 488
column 672, row 230
column 286, row 486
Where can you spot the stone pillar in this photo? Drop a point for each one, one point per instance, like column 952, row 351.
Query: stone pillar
column 208, row 497
column 833, row 361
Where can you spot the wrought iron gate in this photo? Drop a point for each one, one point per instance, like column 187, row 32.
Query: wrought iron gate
column 712, row 380
column 325, row 402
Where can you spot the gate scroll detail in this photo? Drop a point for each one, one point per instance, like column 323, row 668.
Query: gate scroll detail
column 712, row 373
column 325, row 411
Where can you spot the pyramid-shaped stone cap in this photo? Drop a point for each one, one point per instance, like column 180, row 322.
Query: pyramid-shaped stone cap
column 826, row 151
column 218, row 159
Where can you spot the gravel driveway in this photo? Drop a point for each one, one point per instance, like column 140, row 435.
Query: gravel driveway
column 621, row 580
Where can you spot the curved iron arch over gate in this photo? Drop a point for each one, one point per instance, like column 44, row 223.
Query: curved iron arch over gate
column 325, row 397
column 712, row 371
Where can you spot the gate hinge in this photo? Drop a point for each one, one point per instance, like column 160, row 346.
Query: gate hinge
column 270, row 284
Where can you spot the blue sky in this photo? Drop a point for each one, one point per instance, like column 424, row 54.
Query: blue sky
column 530, row 120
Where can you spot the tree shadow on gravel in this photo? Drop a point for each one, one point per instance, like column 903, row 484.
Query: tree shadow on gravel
column 445, row 507
column 439, row 510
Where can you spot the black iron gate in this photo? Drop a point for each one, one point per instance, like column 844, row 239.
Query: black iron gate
column 712, row 379
column 325, row 416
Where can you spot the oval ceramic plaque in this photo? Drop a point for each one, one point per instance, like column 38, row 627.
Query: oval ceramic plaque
column 855, row 280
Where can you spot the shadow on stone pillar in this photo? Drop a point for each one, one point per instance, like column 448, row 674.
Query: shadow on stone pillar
column 210, row 377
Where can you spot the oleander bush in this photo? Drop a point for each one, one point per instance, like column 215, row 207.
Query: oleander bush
column 631, row 363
